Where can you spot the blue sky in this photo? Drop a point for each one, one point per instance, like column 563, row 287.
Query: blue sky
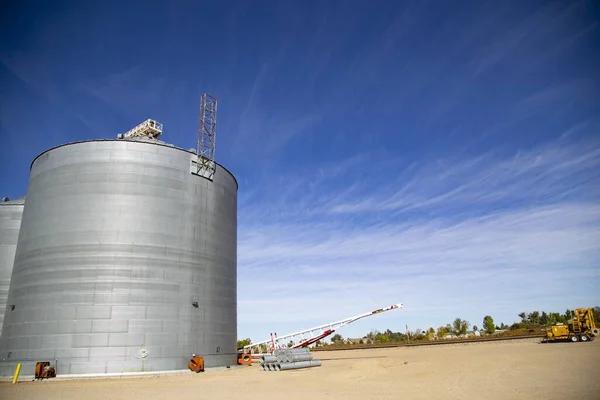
column 444, row 155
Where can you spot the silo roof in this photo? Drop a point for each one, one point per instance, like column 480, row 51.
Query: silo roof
column 140, row 139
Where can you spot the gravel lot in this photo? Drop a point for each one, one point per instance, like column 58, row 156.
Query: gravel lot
column 522, row 369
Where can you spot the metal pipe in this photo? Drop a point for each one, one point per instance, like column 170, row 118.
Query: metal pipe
column 269, row 358
column 298, row 350
column 280, row 354
column 301, row 357
column 288, row 356
column 301, row 364
column 292, row 356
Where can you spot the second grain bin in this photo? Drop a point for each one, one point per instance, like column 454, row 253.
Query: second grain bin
column 11, row 212
column 126, row 262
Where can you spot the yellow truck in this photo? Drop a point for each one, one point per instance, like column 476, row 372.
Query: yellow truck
column 581, row 326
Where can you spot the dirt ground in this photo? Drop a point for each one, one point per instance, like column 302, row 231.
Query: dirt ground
column 523, row 369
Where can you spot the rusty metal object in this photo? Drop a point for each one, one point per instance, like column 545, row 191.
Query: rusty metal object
column 43, row 369
column 196, row 364
column 244, row 359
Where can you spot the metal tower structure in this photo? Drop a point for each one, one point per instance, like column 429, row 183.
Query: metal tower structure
column 207, row 130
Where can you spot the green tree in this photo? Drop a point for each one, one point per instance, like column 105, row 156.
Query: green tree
column 397, row 337
column 417, row 334
column 460, row 326
column 243, row 342
column 475, row 328
column 337, row 338
column 456, row 326
column 442, row 331
column 372, row 335
column 382, row 338
column 523, row 316
column 556, row 318
column 544, row 318
column 596, row 312
column 430, row 335
column 534, row 318
column 488, row 325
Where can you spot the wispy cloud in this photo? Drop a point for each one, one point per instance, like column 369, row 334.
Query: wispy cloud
column 367, row 184
column 553, row 97
column 543, row 175
column 31, row 70
column 522, row 33
column 119, row 90
column 264, row 128
column 501, row 231
column 533, row 39
column 394, row 153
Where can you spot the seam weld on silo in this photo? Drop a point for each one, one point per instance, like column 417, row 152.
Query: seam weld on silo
column 126, row 262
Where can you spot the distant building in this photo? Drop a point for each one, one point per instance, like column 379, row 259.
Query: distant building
column 449, row 336
column 356, row 340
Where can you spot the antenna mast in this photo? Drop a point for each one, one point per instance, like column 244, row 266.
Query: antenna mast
column 207, row 130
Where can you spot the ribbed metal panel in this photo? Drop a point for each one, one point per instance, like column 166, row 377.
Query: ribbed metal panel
column 11, row 213
column 118, row 242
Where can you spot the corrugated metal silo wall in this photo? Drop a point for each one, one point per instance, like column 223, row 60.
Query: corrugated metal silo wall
column 118, row 242
column 11, row 213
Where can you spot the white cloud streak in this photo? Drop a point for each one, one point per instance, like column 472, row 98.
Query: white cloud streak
column 543, row 174
column 488, row 234
column 524, row 34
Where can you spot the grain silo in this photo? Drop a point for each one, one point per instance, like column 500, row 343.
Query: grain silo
column 11, row 212
column 126, row 261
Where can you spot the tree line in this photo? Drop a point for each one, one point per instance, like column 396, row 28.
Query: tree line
column 534, row 320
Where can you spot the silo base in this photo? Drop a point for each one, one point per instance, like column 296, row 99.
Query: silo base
column 80, row 369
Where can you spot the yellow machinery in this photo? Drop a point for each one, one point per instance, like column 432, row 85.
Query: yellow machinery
column 581, row 326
